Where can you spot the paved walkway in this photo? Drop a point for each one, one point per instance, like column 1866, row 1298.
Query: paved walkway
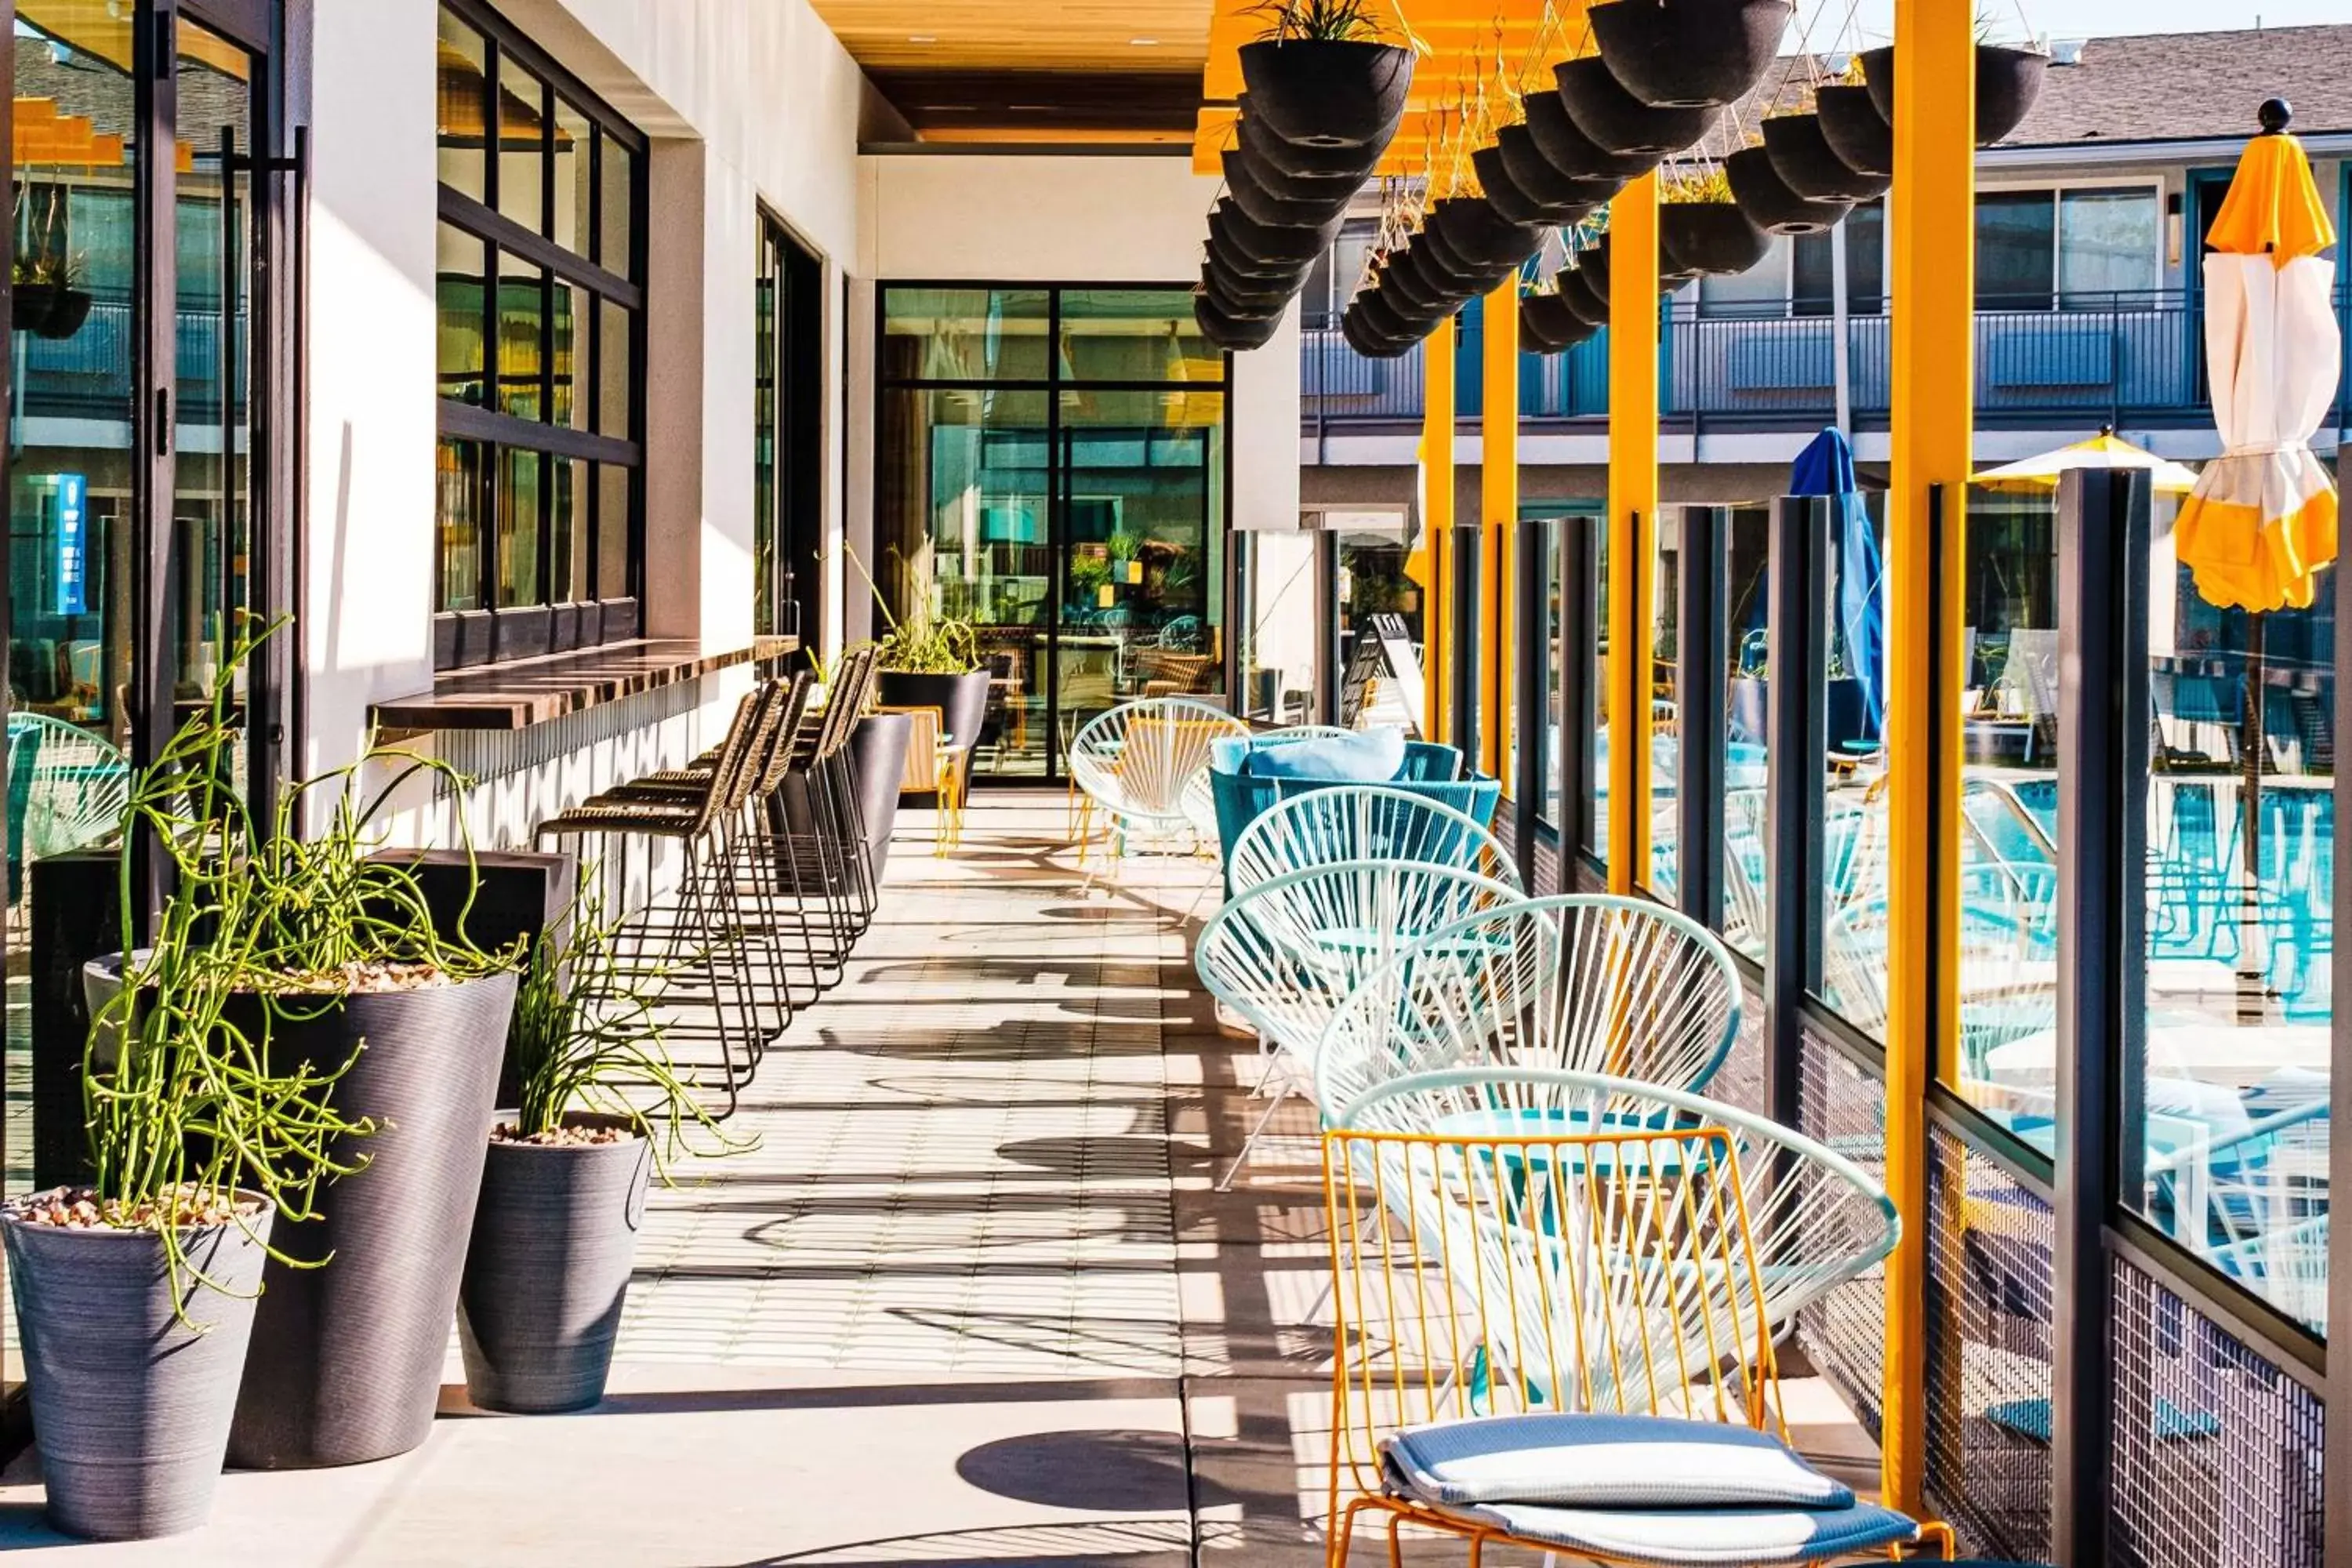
column 973, row 1300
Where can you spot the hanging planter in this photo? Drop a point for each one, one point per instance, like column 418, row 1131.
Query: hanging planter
column 1366, row 342
column 1228, row 331
column 1617, row 122
column 1689, row 54
column 1233, row 231
column 1710, row 238
column 1577, row 297
column 1462, row 275
column 51, row 311
column 1419, row 275
column 1546, row 318
column 1261, row 204
column 1671, row 278
column 2008, row 80
column 1244, row 294
column 1474, row 231
column 1386, row 321
column 1594, row 265
column 1768, row 202
column 1277, row 181
column 1266, row 146
column 1576, row 155
column 1801, row 157
column 1258, row 308
column 1850, row 122
column 1511, row 200
column 1533, row 173
column 1327, row 92
column 1406, row 281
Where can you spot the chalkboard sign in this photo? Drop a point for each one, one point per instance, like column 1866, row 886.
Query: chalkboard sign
column 1356, row 686
column 1395, row 644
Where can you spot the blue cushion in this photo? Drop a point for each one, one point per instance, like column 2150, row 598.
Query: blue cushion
column 1369, row 757
column 1606, row 1461
column 1699, row 1538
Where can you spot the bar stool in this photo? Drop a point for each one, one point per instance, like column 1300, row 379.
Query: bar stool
column 699, row 932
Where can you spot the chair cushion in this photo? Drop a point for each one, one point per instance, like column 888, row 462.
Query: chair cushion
column 1372, row 756
column 1701, row 1537
column 1602, row 1461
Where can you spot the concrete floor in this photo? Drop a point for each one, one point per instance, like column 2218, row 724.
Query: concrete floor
column 972, row 1300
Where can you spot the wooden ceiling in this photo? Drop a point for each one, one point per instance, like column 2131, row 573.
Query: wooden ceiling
column 1475, row 47
column 1033, row 70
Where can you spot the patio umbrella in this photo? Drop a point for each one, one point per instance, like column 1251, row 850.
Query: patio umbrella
column 1825, row 468
column 2105, row 450
column 2262, row 521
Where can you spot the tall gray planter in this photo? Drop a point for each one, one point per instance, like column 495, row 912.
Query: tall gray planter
column 131, row 1406
column 877, row 750
column 556, row 1237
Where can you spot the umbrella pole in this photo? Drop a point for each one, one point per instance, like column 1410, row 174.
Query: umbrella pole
column 2252, row 969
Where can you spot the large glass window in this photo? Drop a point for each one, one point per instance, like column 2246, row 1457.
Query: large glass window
column 1748, row 644
column 1277, row 625
column 787, row 439
column 1052, row 466
column 2016, row 246
column 541, row 332
column 1855, row 804
column 1600, row 682
column 1665, row 706
column 2109, row 243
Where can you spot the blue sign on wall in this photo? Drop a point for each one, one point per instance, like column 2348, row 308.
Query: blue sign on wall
column 73, row 554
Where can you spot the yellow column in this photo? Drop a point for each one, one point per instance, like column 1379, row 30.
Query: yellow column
column 1932, row 212
column 1632, row 521
column 1498, row 495
column 1437, row 520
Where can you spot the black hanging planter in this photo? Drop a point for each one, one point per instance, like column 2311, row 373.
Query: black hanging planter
column 1850, row 122
column 1419, row 274
column 1577, row 297
column 1266, row 243
column 1709, row 240
column 1367, row 342
column 1547, row 319
column 1533, row 173
column 1511, row 200
column 1386, row 321
column 1261, row 204
column 1480, row 235
column 51, row 311
column 1226, row 331
column 1407, row 284
column 1594, row 265
column 1326, row 92
column 1689, row 54
column 1439, row 258
column 1265, row 146
column 2008, row 80
column 1768, row 202
column 1801, row 157
column 1242, row 295
column 1576, row 155
column 1253, row 310
column 1616, row 120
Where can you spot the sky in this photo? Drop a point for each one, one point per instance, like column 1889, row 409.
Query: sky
column 2086, row 18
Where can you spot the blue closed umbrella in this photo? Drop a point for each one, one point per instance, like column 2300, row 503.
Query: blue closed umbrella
column 1825, row 468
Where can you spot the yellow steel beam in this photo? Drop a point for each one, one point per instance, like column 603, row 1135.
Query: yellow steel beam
column 1498, row 495
column 1933, row 218
column 1437, row 520
column 1632, row 521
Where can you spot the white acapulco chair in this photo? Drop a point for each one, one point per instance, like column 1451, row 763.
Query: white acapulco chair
column 1363, row 821
column 1816, row 1219
column 1200, row 796
column 1138, row 762
column 1582, row 983
column 1288, row 951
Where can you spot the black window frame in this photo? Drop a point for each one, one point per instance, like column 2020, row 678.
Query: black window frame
column 536, row 624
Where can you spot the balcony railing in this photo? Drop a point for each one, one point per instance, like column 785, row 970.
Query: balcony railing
column 2134, row 358
column 88, row 375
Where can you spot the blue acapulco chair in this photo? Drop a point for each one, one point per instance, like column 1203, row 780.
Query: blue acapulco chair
column 1285, row 953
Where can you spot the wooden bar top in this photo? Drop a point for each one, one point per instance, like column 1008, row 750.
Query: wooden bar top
column 527, row 691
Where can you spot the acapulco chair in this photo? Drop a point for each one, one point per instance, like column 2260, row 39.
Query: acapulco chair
column 1137, row 761
column 1363, row 821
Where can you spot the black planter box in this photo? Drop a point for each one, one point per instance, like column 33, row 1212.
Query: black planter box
column 445, row 642
column 619, row 622
column 521, row 633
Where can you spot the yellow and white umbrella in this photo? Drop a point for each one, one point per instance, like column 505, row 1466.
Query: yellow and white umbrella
column 2105, row 450
column 2262, row 521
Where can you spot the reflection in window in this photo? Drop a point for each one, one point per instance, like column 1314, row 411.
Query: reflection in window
column 1276, row 626
column 2108, row 243
column 1665, row 707
column 1747, row 642
column 1373, row 582
column 2016, row 246
column 1854, row 802
column 1601, row 681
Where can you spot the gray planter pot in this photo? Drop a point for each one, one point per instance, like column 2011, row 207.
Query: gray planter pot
column 556, row 1237
column 131, row 1406
column 962, row 700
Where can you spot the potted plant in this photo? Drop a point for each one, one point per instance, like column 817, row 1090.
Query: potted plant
column 1701, row 229
column 1572, row 152
column 1548, row 327
column 45, row 275
column 1689, row 54
column 136, row 1290
column 929, row 659
column 1770, row 203
column 2009, row 81
column 1572, row 285
column 1801, row 155
column 598, row 1109
column 338, row 948
column 1856, row 132
column 1616, row 121
column 1321, row 75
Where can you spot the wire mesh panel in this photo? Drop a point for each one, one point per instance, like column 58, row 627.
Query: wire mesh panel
column 2217, row 1451
column 1740, row 1080
column 1989, row 1288
column 1844, row 1334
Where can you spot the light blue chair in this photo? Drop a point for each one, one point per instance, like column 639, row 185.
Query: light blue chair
column 1362, row 822
column 1430, row 770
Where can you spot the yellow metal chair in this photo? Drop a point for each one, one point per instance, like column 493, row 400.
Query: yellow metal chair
column 936, row 766
column 1552, row 1334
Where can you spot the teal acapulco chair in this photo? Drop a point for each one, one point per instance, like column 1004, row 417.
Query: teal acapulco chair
column 1287, row 953
column 1363, row 821
column 1582, row 983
